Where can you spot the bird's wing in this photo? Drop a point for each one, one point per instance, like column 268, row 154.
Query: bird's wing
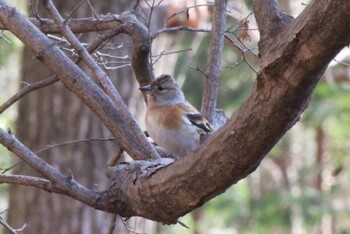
column 196, row 118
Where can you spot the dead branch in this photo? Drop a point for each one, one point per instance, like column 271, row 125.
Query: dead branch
column 27, row 89
column 211, row 83
column 10, row 229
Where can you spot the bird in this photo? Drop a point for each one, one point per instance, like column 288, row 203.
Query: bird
column 171, row 121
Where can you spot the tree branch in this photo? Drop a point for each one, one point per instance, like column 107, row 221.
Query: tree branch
column 58, row 182
column 10, row 229
column 141, row 48
column 271, row 21
column 101, row 38
column 105, row 82
column 40, row 183
column 211, row 83
column 75, row 80
column 81, row 25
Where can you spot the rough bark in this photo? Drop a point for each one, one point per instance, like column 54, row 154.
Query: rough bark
column 294, row 55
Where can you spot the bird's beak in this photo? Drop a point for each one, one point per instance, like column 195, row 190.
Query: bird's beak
column 146, row 88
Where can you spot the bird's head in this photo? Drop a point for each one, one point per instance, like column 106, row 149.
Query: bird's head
column 163, row 91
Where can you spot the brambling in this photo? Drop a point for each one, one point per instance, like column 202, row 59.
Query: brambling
column 172, row 122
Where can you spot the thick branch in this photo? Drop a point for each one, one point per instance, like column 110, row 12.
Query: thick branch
column 276, row 103
column 211, row 84
column 141, row 48
column 270, row 19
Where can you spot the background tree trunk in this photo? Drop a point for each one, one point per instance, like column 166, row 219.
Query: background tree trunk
column 40, row 124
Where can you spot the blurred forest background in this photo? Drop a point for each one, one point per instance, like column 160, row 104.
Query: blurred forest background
column 301, row 186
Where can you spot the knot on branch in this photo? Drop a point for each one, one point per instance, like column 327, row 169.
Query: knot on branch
column 145, row 49
column 133, row 170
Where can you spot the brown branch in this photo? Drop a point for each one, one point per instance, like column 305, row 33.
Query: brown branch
column 269, row 17
column 101, row 39
column 81, row 25
column 27, row 89
column 49, row 147
column 178, row 28
column 271, row 21
column 31, row 181
column 106, row 84
column 58, row 182
column 10, row 229
column 74, row 79
column 141, row 48
column 211, row 83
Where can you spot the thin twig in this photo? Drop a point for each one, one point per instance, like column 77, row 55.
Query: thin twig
column 92, row 9
column 5, row 39
column 243, row 54
column 197, row 69
column 27, row 89
column 159, row 56
column 113, row 224
column 178, row 28
column 49, row 147
column 9, row 228
column 211, row 83
column 128, row 228
column 101, row 39
column 75, row 9
column 183, row 11
column 4, row 170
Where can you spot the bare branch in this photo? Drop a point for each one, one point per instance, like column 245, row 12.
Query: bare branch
column 81, row 25
column 141, row 48
column 27, row 89
column 9, row 228
column 58, row 183
column 4, row 170
column 113, row 224
column 211, row 83
column 49, row 147
column 178, row 28
column 105, row 82
column 185, row 10
column 243, row 51
column 74, row 9
column 101, row 39
column 75, row 80
column 40, row 183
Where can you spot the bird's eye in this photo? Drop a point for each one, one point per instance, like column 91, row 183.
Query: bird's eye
column 160, row 88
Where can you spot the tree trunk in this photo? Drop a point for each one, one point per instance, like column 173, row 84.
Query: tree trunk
column 54, row 115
